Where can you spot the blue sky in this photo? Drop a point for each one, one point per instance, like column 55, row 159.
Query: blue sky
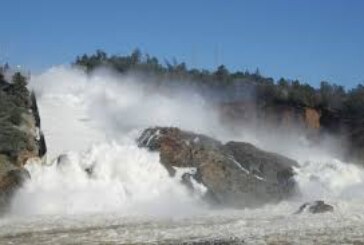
column 310, row 40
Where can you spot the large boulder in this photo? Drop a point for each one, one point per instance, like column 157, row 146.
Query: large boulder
column 235, row 173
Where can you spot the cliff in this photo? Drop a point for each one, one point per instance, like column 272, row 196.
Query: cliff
column 349, row 127
column 313, row 122
column 276, row 115
column 21, row 138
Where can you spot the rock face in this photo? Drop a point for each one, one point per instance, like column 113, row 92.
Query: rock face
column 349, row 129
column 315, row 207
column 312, row 122
column 235, row 174
column 21, row 138
column 276, row 114
column 11, row 178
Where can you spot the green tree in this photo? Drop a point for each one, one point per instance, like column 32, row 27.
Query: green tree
column 19, row 90
column 222, row 73
column 135, row 57
column 19, row 81
column 355, row 102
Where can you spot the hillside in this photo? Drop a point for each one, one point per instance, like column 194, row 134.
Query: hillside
column 243, row 94
column 20, row 136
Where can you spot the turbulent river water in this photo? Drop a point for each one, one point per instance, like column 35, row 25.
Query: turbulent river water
column 130, row 198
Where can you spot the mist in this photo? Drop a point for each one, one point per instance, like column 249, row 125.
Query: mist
column 115, row 105
column 94, row 119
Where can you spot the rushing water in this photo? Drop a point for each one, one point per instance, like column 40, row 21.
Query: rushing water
column 129, row 197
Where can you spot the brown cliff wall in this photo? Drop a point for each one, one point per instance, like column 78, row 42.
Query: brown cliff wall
column 312, row 121
column 277, row 115
column 312, row 118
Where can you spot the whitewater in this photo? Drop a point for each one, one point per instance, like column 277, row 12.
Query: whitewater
column 92, row 121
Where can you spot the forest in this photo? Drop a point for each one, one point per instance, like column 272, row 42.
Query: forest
column 234, row 86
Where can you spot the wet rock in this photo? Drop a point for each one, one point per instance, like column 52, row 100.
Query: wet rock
column 42, row 145
column 315, row 207
column 11, row 178
column 63, row 160
column 64, row 163
column 235, row 173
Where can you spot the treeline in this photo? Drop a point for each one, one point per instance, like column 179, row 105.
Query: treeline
column 237, row 85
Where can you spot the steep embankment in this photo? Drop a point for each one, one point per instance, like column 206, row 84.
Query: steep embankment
column 349, row 127
column 314, row 123
column 20, row 136
column 275, row 115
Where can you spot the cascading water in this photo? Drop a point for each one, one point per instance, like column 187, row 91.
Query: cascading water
column 121, row 193
column 124, row 178
column 94, row 131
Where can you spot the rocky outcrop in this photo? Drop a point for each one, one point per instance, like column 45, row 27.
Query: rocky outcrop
column 235, row 174
column 278, row 115
column 39, row 136
column 11, row 178
column 349, row 129
column 315, row 207
column 313, row 122
column 312, row 118
column 21, row 138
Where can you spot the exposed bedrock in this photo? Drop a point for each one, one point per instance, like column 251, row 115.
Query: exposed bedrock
column 235, row 174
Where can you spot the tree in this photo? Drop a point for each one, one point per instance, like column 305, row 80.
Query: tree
column 355, row 102
column 222, row 73
column 19, row 90
column 327, row 96
column 19, row 81
column 101, row 55
column 6, row 66
column 135, row 57
column 2, row 78
column 331, row 95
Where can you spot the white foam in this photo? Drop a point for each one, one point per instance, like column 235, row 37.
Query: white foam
column 93, row 119
column 123, row 178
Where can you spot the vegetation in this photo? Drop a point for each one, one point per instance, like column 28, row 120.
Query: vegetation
column 14, row 103
column 235, row 85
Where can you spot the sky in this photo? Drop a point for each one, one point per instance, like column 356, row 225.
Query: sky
column 309, row 40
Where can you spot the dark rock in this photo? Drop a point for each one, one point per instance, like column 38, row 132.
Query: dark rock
column 42, row 145
column 236, row 173
column 34, row 108
column 64, row 161
column 186, row 179
column 89, row 171
column 11, row 178
column 315, row 207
